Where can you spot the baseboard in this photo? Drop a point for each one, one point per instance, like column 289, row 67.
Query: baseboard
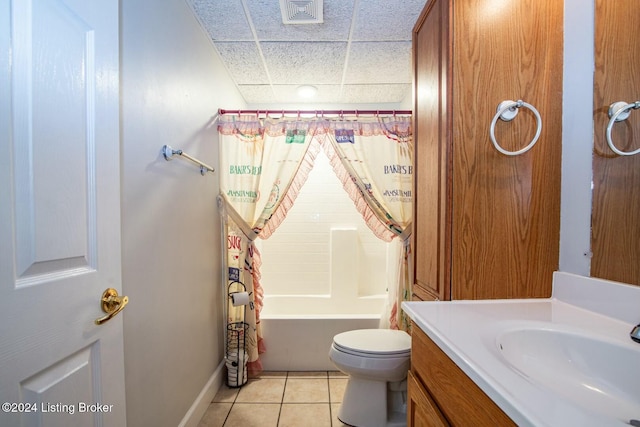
column 199, row 407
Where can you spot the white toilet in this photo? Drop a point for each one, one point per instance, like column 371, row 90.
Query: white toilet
column 377, row 362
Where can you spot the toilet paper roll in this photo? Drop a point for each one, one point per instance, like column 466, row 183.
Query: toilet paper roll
column 237, row 356
column 240, row 298
column 236, row 368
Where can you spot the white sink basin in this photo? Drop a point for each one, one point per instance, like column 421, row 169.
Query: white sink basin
column 595, row 373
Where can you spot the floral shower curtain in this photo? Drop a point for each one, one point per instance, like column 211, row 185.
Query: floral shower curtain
column 373, row 157
column 263, row 165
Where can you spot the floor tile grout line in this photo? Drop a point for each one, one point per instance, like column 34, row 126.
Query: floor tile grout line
column 329, row 390
column 284, row 389
column 231, row 407
column 327, row 376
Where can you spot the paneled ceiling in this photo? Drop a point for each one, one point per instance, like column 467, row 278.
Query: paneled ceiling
column 360, row 54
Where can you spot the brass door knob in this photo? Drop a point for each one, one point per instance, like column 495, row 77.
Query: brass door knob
column 111, row 304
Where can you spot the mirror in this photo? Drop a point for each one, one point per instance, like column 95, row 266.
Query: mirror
column 615, row 216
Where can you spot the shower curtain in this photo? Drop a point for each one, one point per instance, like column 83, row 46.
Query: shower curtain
column 265, row 162
column 373, row 157
column 263, row 166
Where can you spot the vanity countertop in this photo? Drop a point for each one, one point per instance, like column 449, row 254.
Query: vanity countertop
column 472, row 334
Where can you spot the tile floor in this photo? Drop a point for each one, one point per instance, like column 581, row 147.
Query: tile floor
column 279, row 399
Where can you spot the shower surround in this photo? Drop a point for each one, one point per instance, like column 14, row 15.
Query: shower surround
column 323, row 272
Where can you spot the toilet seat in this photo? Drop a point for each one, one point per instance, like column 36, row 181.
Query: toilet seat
column 374, row 343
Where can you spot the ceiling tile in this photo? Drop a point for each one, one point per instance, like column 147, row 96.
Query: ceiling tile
column 267, row 20
column 223, row 20
column 379, row 62
column 268, row 60
column 256, row 94
column 243, row 62
column 380, row 93
column 386, row 19
column 304, row 62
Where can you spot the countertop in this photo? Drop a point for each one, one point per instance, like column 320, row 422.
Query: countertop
column 468, row 332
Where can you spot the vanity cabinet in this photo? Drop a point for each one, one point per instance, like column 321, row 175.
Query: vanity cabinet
column 615, row 215
column 486, row 225
column 421, row 409
column 441, row 394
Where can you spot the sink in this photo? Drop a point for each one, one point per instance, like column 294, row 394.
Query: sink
column 593, row 372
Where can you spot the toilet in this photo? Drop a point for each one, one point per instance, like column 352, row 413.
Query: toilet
column 377, row 362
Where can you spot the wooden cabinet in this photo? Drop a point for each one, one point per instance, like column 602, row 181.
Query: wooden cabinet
column 486, row 225
column 615, row 217
column 441, row 394
column 432, row 156
column 422, row 411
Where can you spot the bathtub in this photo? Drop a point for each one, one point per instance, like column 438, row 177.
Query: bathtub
column 298, row 328
column 301, row 342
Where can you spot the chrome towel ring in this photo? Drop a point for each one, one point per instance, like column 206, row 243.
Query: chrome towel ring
column 619, row 111
column 507, row 111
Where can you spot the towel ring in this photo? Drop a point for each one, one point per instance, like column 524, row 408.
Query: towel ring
column 619, row 112
column 507, row 111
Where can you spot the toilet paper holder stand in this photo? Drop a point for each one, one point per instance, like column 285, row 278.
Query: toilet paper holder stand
column 236, row 331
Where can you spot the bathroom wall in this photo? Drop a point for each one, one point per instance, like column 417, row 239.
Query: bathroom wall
column 324, row 259
column 577, row 137
column 172, row 83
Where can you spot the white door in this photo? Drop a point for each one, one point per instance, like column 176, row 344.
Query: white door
column 59, row 214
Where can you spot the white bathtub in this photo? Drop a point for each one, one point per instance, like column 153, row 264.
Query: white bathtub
column 301, row 342
column 298, row 329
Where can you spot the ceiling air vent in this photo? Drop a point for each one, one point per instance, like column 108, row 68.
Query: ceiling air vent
column 301, row 11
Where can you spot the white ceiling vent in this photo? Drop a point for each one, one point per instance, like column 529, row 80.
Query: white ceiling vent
column 301, row 11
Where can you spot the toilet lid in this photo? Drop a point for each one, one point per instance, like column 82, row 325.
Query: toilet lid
column 387, row 342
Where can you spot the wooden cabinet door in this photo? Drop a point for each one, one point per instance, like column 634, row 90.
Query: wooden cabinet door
column 486, row 225
column 432, row 187
column 506, row 209
column 421, row 409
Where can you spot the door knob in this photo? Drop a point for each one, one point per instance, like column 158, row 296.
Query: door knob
column 111, row 304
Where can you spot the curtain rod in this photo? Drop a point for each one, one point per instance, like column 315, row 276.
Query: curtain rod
column 317, row 112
